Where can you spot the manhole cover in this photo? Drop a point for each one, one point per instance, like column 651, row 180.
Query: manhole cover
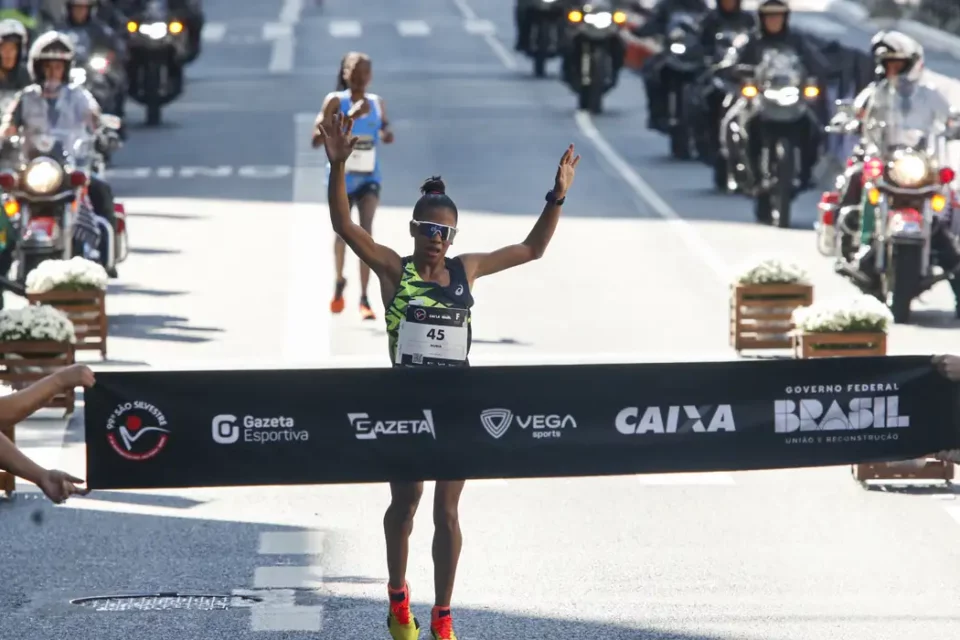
column 166, row 602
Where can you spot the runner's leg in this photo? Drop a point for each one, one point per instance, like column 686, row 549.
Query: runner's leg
column 397, row 527
column 367, row 206
column 447, row 538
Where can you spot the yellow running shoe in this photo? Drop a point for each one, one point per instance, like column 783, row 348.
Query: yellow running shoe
column 441, row 624
column 401, row 622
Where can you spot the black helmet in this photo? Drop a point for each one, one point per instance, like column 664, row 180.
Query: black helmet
column 50, row 46
column 92, row 4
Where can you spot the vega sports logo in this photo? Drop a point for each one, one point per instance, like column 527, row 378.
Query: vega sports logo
column 496, row 422
column 137, row 430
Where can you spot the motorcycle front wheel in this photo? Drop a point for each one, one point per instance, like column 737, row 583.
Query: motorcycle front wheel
column 782, row 193
column 905, row 268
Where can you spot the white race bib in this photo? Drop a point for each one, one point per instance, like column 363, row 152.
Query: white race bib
column 364, row 156
column 433, row 336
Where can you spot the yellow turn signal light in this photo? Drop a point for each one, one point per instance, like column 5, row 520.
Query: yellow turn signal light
column 619, row 17
column 132, row 26
column 873, row 196
column 11, row 208
column 176, row 27
column 811, row 92
column 575, row 16
column 938, row 203
column 749, row 91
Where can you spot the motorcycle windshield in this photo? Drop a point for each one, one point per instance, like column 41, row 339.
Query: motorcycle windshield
column 77, row 145
column 779, row 69
column 903, row 121
column 681, row 25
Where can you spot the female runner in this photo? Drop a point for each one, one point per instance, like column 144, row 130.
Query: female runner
column 369, row 116
column 428, row 278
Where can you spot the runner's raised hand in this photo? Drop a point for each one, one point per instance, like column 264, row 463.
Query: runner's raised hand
column 566, row 171
column 338, row 139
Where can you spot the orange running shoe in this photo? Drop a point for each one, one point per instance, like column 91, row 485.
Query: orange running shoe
column 441, row 624
column 337, row 304
column 401, row 622
column 365, row 311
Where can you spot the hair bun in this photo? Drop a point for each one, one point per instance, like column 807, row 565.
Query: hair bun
column 433, row 185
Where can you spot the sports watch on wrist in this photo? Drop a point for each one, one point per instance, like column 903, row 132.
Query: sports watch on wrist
column 553, row 199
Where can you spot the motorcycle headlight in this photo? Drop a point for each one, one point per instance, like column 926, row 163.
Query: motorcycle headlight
column 783, row 97
column 99, row 63
column 43, row 176
column 909, row 170
column 600, row 20
column 155, row 30
column 678, row 49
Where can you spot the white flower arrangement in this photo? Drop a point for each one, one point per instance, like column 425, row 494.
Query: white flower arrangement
column 75, row 274
column 863, row 314
column 772, row 271
column 36, row 323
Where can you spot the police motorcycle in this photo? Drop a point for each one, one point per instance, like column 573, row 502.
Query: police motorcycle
column 98, row 71
column 594, row 40
column 778, row 93
column 47, row 195
column 547, row 28
column 158, row 50
column 907, row 185
column 708, row 87
column 835, row 226
column 682, row 63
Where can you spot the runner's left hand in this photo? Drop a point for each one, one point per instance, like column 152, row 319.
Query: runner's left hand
column 387, row 136
column 566, row 172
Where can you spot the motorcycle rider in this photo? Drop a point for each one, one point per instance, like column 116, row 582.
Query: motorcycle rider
column 13, row 40
column 82, row 14
column 904, row 84
column 52, row 99
column 774, row 33
column 728, row 16
column 656, row 26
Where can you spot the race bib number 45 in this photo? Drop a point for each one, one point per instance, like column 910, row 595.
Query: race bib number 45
column 433, row 336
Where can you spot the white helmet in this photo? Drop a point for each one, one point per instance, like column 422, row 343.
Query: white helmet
column 52, row 45
column 894, row 45
column 11, row 28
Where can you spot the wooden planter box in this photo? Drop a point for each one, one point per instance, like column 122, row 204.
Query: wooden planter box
column 87, row 311
column 833, row 345
column 760, row 314
column 933, row 469
column 23, row 363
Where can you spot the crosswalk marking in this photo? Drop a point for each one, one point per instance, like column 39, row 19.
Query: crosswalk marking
column 480, row 27
column 413, row 28
column 277, row 585
column 345, row 29
column 291, row 543
column 213, row 32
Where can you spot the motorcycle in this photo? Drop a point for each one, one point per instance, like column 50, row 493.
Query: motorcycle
column 682, row 62
column 46, row 197
column 837, row 228
column 99, row 73
column 706, row 104
column 546, row 33
column 906, row 187
column 777, row 94
column 589, row 59
column 158, row 52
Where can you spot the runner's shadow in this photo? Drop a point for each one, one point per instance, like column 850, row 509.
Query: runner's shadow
column 166, row 216
column 934, row 319
column 143, row 499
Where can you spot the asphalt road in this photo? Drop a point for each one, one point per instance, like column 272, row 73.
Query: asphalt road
column 231, row 268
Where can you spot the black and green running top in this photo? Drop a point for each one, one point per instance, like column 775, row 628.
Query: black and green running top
column 413, row 289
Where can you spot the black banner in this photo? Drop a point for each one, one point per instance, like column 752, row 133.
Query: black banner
column 240, row 428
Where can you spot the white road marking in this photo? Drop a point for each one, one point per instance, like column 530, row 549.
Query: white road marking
column 213, row 32
column 285, row 44
column 287, row 577
column 255, row 172
column 278, row 611
column 684, row 230
column 413, row 28
column 687, row 479
column 291, row 543
column 479, row 27
column 310, row 251
column 345, row 29
column 470, row 16
column 274, row 30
